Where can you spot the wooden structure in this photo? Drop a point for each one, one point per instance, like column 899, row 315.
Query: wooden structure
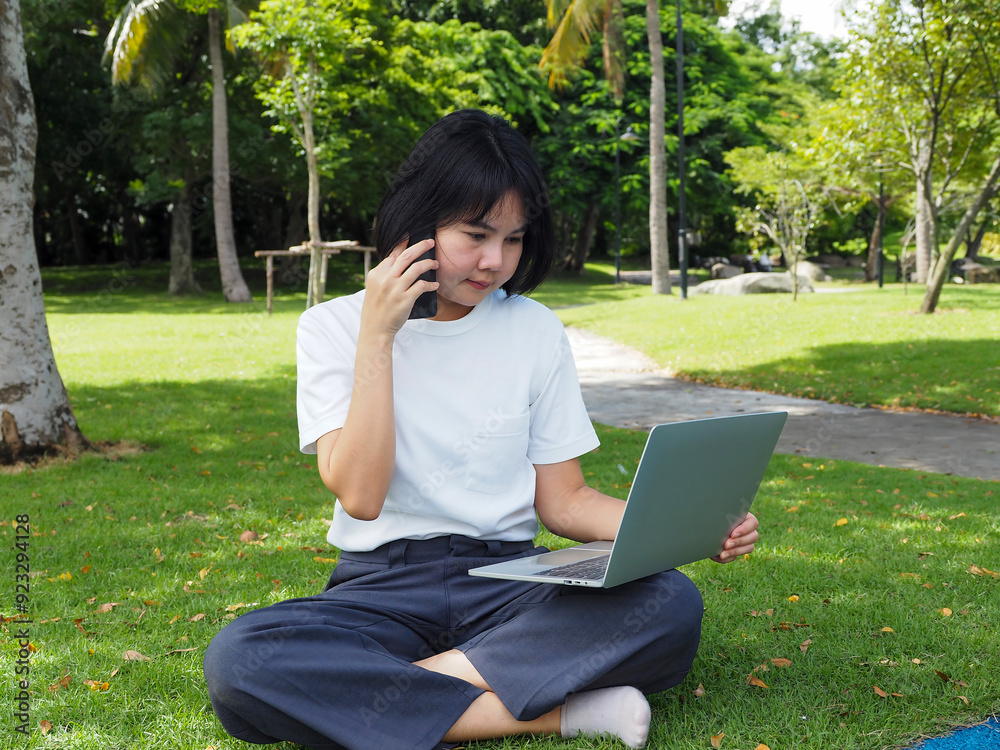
column 319, row 256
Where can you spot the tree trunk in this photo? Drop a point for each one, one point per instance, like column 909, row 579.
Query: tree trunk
column 76, row 231
column 658, row 248
column 584, row 238
column 182, row 279
column 296, row 228
column 871, row 265
column 943, row 266
column 972, row 246
column 233, row 286
column 926, row 231
column 35, row 413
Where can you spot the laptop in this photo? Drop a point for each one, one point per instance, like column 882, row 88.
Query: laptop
column 695, row 483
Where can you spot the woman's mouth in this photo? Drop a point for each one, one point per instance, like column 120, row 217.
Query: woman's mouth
column 480, row 285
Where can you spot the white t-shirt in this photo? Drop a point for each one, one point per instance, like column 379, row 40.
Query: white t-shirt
column 477, row 402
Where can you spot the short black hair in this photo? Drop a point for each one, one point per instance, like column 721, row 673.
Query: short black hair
column 459, row 170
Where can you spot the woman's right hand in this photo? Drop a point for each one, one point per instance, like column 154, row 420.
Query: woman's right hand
column 392, row 287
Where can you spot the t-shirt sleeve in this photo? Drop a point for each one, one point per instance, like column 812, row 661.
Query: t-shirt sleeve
column 325, row 379
column 560, row 426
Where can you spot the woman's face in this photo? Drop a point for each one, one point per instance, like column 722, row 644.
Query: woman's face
column 478, row 258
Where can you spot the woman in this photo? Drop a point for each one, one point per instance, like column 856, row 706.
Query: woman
column 445, row 441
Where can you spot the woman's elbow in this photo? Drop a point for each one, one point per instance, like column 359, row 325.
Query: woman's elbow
column 360, row 512
column 358, row 506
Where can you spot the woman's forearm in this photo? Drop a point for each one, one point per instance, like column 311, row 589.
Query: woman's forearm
column 361, row 463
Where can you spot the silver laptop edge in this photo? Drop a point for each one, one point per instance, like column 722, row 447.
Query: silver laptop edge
column 695, row 482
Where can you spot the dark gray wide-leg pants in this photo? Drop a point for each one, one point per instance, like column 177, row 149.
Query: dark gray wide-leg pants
column 335, row 670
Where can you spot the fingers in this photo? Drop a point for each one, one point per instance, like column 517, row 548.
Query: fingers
column 410, row 251
column 741, row 540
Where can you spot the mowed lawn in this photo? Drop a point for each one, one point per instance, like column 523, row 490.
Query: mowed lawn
column 855, row 345
column 869, row 610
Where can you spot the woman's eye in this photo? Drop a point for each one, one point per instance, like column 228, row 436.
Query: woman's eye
column 477, row 237
column 515, row 240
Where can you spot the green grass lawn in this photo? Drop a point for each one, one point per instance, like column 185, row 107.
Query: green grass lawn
column 864, row 347
column 865, row 577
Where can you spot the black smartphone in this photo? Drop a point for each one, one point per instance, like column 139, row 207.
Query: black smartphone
column 426, row 305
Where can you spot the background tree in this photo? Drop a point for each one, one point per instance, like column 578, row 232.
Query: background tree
column 921, row 69
column 788, row 197
column 35, row 413
column 141, row 48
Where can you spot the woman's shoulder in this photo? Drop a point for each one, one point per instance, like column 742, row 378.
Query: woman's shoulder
column 528, row 311
column 339, row 310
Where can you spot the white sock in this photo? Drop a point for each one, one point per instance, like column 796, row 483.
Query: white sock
column 621, row 711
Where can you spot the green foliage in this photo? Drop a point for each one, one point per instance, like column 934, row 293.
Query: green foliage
column 377, row 86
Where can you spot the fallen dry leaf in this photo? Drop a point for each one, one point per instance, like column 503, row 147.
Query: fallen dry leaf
column 717, row 740
column 107, row 607
column 977, row 571
column 879, row 691
column 205, row 571
column 699, row 691
column 762, row 746
column 181, row 650
column 942, row 675
column 45, row 727
column 96, row 686
column 793, row 598
column 842, row 522
column 888, row 630
column 197, row 617
column 781, row 662
column 64, row 682
column 945, row 612
column 756, row 681
column 962, row 698
column 131, row 655
column 804, row 646
column 249, row 535
column 324, row 560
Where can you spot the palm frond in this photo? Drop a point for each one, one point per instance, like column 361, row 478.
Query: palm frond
column 554, row 11
column 235, row 15
column 568, row 46
column 143, row 41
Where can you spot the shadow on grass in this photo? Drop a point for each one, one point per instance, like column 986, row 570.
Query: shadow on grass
column 930, row 373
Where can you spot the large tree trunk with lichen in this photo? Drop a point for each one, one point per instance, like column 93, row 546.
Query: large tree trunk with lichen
column 658, row 247
column 35, row 413
column 234, row 287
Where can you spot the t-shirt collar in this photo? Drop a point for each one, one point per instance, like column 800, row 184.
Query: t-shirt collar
column 453, row 327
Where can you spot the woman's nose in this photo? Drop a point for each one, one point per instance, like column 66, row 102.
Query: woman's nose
column 492, row 257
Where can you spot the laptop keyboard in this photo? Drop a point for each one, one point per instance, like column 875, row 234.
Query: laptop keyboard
column 586, row 570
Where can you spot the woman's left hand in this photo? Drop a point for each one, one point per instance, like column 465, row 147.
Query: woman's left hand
column 741, row 541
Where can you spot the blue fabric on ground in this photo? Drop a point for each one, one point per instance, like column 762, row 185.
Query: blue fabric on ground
column 980, row 737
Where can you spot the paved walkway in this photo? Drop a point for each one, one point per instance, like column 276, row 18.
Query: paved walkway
column 623, row 388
